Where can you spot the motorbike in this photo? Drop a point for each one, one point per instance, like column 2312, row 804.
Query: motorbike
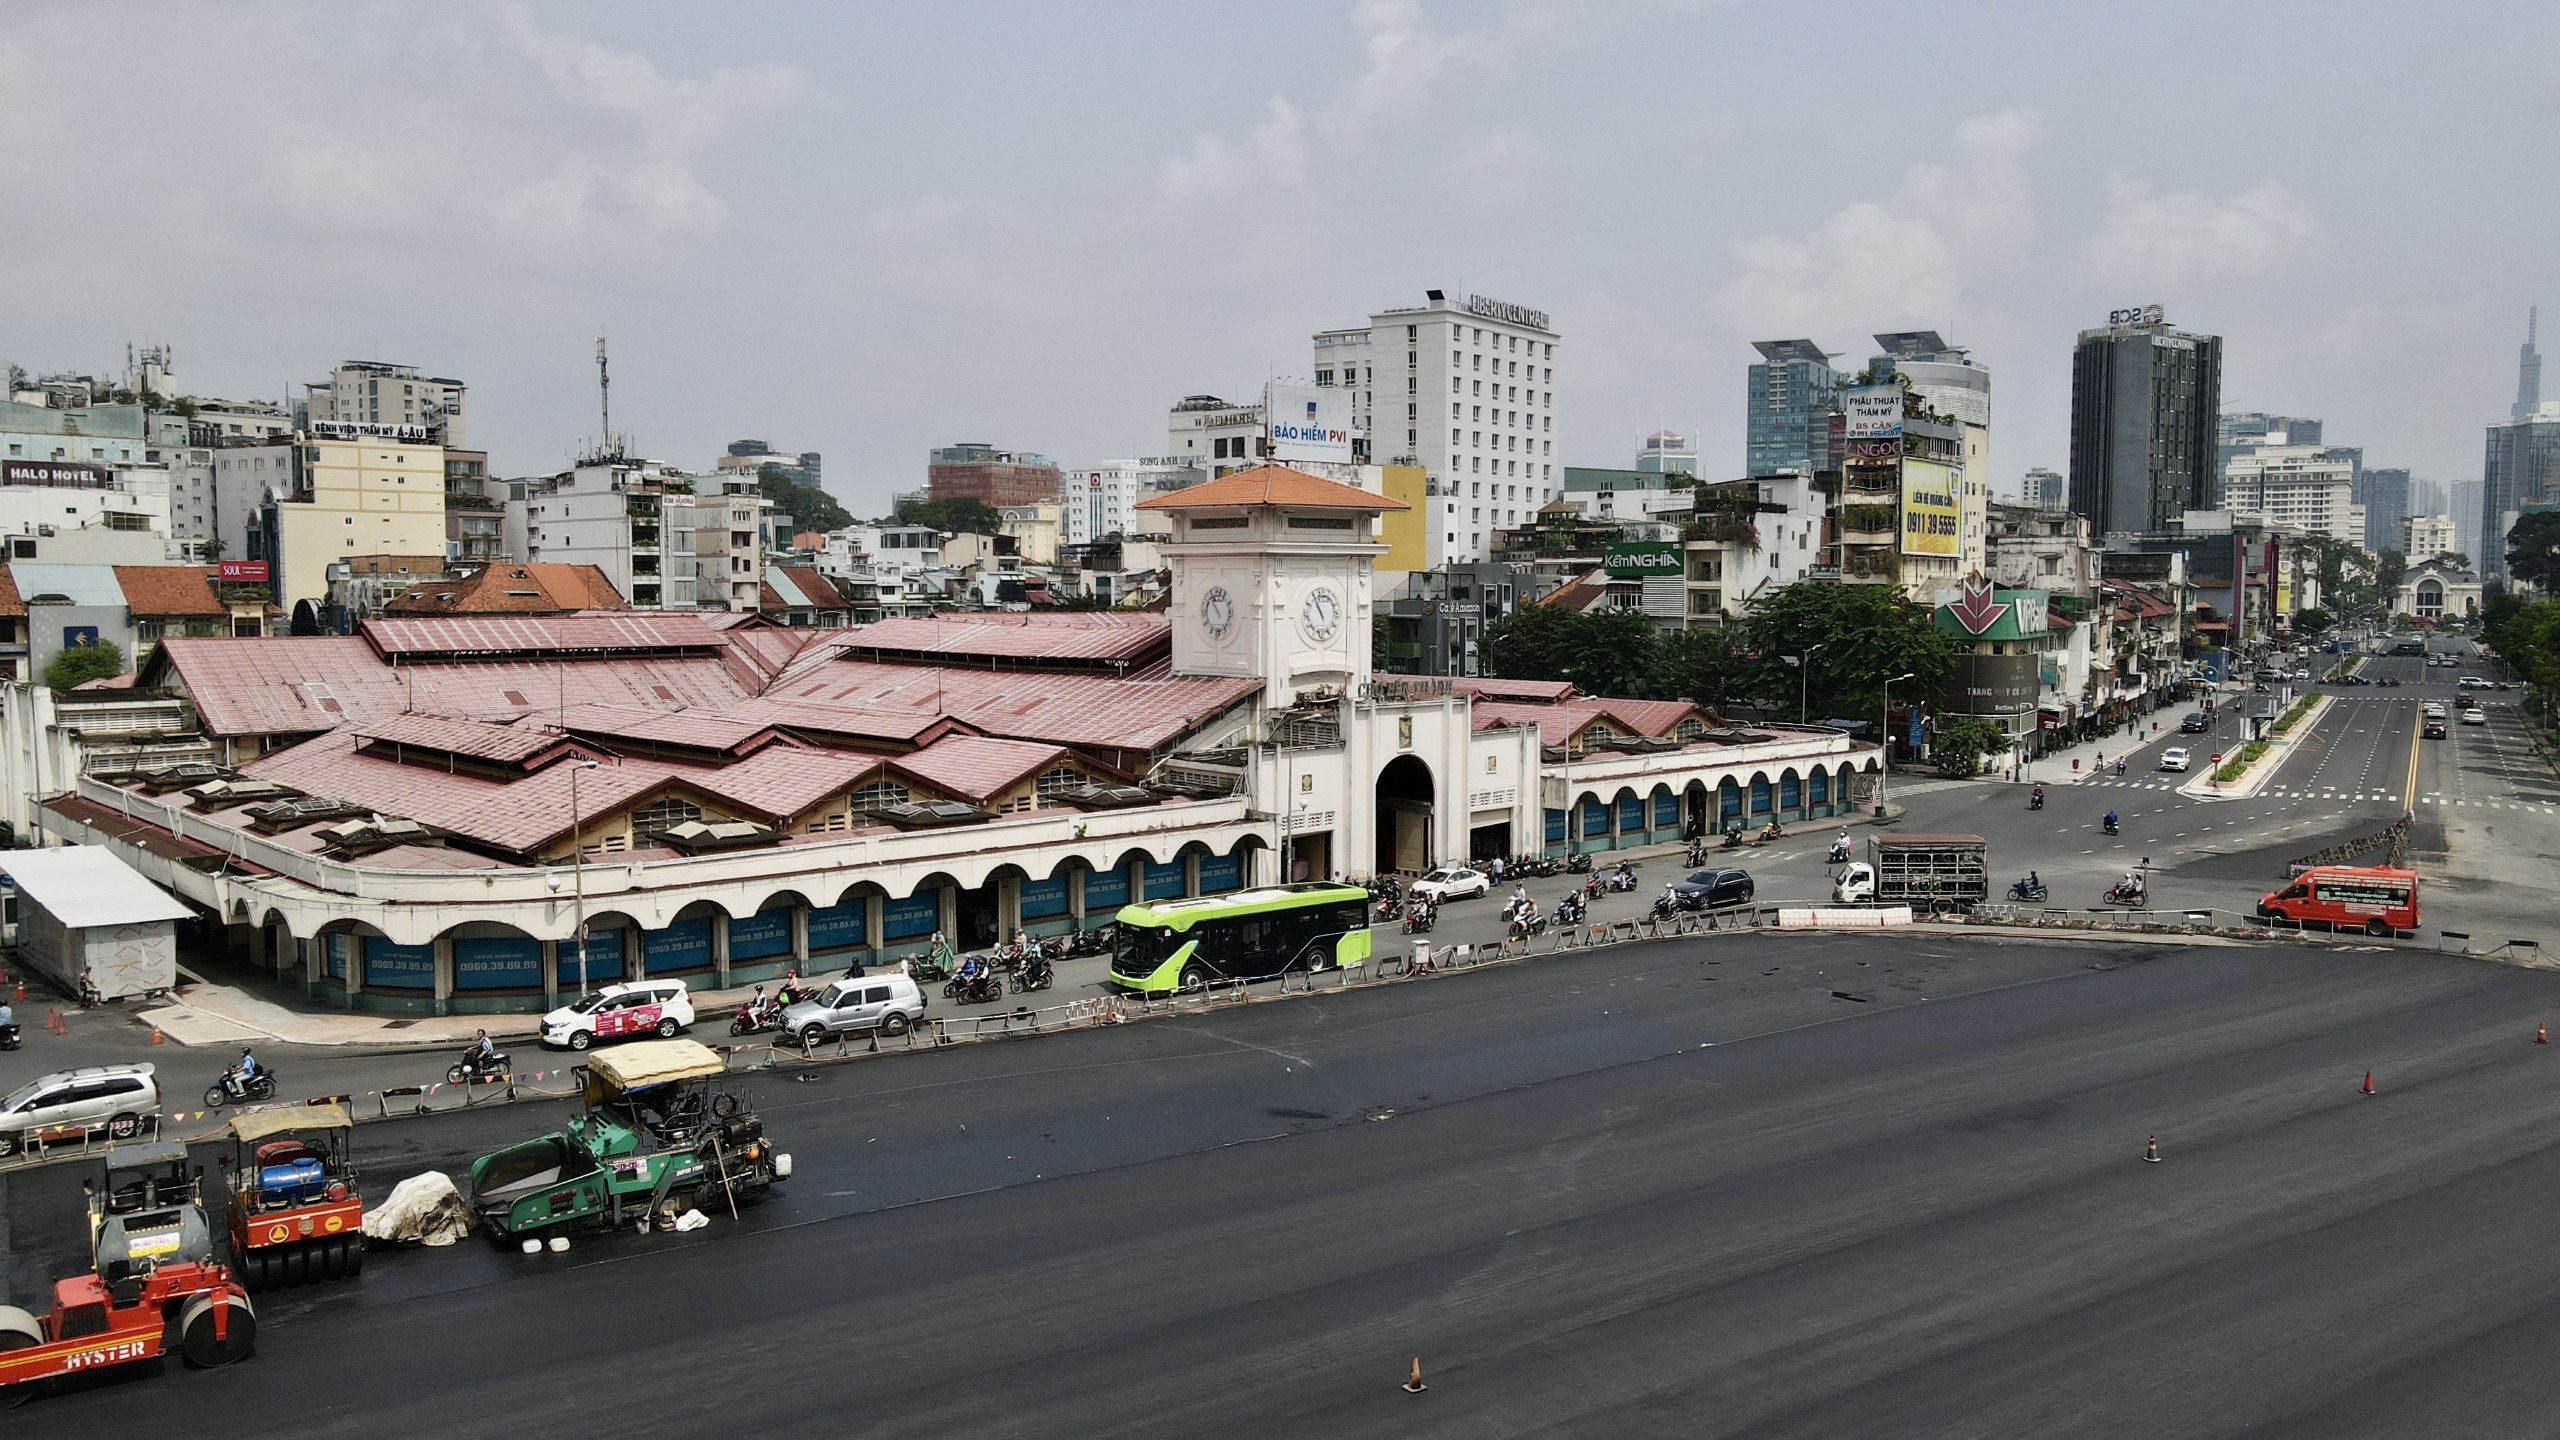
column 1528, row 927
column 1590, row 888
column 1839, row 852
column 1697, row 851
column 2021, row 890
column 1093, row 940
column 8, row 1035
column 1386, row 908
column 1619, row 881
column 756, row 1014
column 474, row 1067
column 2119, row 766
column 1578, row 865
column 2113, row 828
column 2036, row 800
column 1570, row 910
column 925, row 969
column 2117, row 894
column 984, row 987
column 1036, row 974
column 233, row 1088
column 1732, row 839
column 1664, row 907
column 1772, row 831
column 1419, row 917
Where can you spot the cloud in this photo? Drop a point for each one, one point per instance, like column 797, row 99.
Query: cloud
column 1875, row 262
column 2186, row 235
column 1404, row 61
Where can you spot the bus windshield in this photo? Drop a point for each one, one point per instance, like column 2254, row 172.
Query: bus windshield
column 1139, row 949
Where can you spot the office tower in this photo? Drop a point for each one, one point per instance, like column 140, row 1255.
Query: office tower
column 2384, row 493
column 2146, row 404
column 1788, row 401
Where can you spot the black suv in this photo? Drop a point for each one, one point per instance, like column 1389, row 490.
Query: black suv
column 1713, row 889
column 2196, row 724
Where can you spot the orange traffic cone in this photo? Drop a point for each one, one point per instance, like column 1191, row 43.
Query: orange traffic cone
column 22, row 988
column 2541, row 1034
column 2368, row 1082
column 2151, row 1152
column 155, row 1034
column 1413, row 1385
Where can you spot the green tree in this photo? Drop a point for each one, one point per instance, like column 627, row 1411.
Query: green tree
column 1707, row 665
column 70, row 669
column 1963, row 741
column 2533, row 549
column 2313, row 621
column 1854, row 639
column 953, row 517
column 1534, row 642
column 809, row 507
column 1600, row 652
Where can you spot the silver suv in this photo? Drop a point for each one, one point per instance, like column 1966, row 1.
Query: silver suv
column 118, row 1099
column 886, row 1003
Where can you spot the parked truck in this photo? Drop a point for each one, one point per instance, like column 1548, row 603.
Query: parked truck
column 1933, row 874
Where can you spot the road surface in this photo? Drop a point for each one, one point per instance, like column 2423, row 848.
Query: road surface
column 1740, row 1185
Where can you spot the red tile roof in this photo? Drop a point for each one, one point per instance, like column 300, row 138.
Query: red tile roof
column 511, row 588
column 899, row 725
column 976, row 767
column 719, row 731
column 1145, row 710
column 1524, row 690
column 815, row 589
column 11, row 602
column 165, row 590
column 1272, row 485
column 297, row 685
column 1556, row 722
column 1109, row 637
column 468, row 739
column 518, row 815
column 630, row 632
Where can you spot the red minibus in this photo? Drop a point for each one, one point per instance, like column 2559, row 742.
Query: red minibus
column 2347, row 897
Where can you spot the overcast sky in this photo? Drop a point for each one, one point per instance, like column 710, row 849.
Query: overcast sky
column 870, row 229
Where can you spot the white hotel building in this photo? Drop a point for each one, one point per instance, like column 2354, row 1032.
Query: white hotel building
column 1469, row 394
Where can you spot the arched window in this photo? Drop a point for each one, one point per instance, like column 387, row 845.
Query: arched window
column 1760, row 795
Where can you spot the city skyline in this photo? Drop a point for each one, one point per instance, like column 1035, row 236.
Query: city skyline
column 745, row 208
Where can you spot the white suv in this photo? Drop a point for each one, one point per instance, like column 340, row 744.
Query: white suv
column 886, row 1003
column 621, row 1012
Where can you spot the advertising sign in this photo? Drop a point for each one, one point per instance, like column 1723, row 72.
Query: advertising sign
column 761, row 936
column 253, row 572
column 1640, row 559
column 685, row 945
column 497, row 963
column 1931, row 522
column 54, row 474
column 836, row 927
column 1990, row 684
column 1874, row 412
column 1308, row 423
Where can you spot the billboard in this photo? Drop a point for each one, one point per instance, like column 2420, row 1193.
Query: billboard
column 1874, row 412
column 1932, row 523
column 1308, row 423
column 1990, row 684
column 54, row 474
column 241, row 571
column 1641, row 559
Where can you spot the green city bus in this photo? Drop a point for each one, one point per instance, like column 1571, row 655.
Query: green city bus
column 1169, row 945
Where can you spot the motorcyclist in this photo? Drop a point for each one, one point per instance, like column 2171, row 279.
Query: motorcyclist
column 2035, row 797
column 1626, row 876
column 2132, row 883
column 484, row 1052
column 1519, row 898
column 2110, row 822
column 756, row 1004
column 242, row 1070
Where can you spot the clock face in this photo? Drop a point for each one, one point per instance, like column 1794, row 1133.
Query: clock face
column 1217, row 613
column 1321, row 615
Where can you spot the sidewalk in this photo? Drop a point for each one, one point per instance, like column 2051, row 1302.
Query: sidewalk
column 210, row 1013
column 2072, row 764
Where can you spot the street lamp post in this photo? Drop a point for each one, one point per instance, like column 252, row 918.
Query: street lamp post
column 1884, row 745
column 578, row 873
column 1804, row 683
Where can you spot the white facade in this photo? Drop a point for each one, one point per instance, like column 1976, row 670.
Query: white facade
column 1214, row 434
column 1095, row 502
column 2295, row 487
column 370, row 392
column 34, row 510
column 725, row 516
column 1469, row 395
column 613, row 514
column 2423, row 537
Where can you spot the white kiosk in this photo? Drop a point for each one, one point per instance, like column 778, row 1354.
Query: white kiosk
column 84, row 915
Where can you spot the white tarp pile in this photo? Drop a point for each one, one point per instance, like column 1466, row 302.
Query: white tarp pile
column 422, row 1210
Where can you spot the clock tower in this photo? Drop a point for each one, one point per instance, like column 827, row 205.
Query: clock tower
column 1271, row 579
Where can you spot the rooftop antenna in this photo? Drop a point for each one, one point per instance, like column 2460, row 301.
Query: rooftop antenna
column 604, row 398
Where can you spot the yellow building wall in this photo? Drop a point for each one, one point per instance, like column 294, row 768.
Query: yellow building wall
column 1405, row 533
column 368, row 497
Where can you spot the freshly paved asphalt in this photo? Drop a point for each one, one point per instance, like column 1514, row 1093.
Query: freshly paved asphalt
column 1678, row 1189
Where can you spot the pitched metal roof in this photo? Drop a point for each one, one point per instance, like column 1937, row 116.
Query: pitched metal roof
column 631, row 632
column 469, row 739
column 1141, row 711
column 79, row 584
column 1112, row 637
column 978, row 767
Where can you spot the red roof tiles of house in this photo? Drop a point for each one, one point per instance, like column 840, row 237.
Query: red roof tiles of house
column 511, row 588
column 1272, row 485
column 11, row 602
column 1556, row 722
column 169, row 590
column 1580, row 594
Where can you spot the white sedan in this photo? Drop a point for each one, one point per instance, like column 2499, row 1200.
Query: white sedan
column 1453, row 882
column 2174, row 758
column 2475, row 716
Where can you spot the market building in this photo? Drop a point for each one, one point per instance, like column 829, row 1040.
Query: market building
column 479, row 813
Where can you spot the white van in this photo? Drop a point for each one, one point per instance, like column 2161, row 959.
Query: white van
column 887, row 1003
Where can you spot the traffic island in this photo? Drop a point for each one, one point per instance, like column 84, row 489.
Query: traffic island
column 2241, row 776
